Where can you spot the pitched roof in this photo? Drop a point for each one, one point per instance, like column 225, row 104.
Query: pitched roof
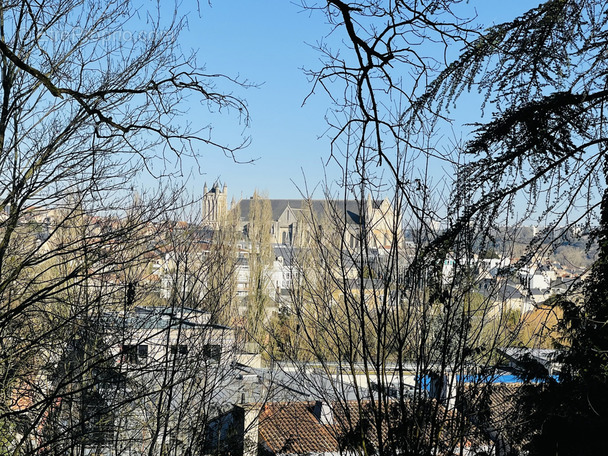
column 292, row 428
column 297, row 427
column 495, row 409
column 350, row 208
column 499, row 291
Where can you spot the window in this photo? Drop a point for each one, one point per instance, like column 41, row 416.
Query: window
column 180, row 350
column 134, row 353
column 212, row 352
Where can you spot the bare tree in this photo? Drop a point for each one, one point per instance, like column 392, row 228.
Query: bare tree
column 93, row 96
column 259, row 259
column 540, row 157
column 397, row 327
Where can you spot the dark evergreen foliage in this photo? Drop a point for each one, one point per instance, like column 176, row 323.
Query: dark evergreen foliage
column 546, row 74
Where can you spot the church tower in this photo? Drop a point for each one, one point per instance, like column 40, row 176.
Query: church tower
column 214, row 205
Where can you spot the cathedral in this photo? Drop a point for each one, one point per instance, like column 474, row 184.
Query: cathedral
column 291, row 219
column 214, row 205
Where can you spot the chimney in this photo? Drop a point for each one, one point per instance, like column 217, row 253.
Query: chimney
column 251, row 429
column 323, row 412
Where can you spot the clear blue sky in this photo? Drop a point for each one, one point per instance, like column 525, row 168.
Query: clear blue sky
column 268, row 43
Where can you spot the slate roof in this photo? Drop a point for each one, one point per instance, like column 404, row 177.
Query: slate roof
column 320, row 207
column 287, row 252
column 161, row 318
column 499, row 291
column 543, row 356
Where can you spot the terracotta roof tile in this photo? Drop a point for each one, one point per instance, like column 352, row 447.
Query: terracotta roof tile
column 495, row 409
column 293, row 428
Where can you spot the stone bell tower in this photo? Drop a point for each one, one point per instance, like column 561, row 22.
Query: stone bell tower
column 214, row 205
